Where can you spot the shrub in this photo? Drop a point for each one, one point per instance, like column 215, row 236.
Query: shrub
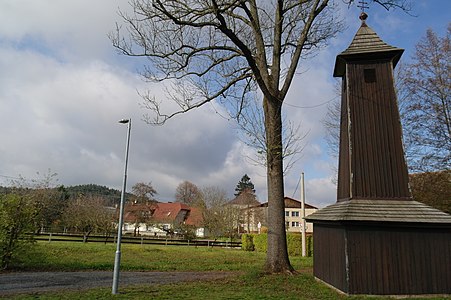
column 258, row 242
column 294, row 244
column 309, row 245
column 247, row 242
column 16, row 223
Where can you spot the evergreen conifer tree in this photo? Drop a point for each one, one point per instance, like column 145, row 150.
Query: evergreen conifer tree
column 244, row 184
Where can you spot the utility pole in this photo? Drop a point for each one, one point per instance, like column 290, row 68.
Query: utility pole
column 303, row 214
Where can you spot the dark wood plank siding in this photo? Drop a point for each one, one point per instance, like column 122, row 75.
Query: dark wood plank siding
column 329, row 254
column 376, row 155
column 399, row 261
column 344, row 177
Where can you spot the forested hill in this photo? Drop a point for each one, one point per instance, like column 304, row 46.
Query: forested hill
column 112, row 196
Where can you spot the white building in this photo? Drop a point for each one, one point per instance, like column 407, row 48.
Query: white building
column 293, row 215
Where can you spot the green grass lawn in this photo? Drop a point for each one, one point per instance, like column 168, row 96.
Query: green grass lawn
column 251, row 284
column 67, row 256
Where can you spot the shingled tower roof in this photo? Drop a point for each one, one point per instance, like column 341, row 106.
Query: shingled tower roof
column 367, row 42
column 381, row 211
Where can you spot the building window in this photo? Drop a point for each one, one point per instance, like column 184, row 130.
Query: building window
column 294, row 224
column 287, row 213
column 287, row 224
column 369, row 75
column 295, row 214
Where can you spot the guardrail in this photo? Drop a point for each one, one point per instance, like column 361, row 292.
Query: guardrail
column 62, row 237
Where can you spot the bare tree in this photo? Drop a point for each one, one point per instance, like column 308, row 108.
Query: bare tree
column 251, row 125
column 144, row 192
column 188, row 193
column 139, row 214
column 216, row 213
column 48, row 201
column 432, row 188
column 214, row 196
column 248, row 213
column 426, row 105
column 224, row 50
column 88, row 214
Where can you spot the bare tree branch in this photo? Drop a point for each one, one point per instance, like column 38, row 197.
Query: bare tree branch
column 224, row 49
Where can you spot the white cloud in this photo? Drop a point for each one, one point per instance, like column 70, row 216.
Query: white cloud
column 57, row 113
column 63, row 116
column 320, row 192
column 67, row 30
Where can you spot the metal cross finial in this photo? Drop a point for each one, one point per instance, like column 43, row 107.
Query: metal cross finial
column 363, row 5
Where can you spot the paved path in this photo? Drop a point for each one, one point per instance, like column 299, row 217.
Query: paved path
column 35, row 282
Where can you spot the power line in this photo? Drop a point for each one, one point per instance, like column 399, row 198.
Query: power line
column 312, row 106
column 297, row 185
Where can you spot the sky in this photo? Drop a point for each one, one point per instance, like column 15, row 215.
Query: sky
column 63, row 88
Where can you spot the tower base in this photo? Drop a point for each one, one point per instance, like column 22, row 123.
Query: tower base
column 383, row 247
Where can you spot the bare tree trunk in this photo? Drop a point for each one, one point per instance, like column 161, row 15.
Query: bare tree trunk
column 277, row 254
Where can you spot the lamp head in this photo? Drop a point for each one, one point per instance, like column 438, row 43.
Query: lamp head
column 124, row 121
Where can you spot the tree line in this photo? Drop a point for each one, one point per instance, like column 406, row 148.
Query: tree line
column 219, row 217
column 27, row 209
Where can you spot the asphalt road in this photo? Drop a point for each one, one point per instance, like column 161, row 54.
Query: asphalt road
column 36, row 282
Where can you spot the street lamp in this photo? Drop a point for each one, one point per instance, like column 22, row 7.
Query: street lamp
column 117, row 259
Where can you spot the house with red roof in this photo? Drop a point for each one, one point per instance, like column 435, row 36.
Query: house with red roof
column 195, row 219
column 162, row 219
column 136, row 216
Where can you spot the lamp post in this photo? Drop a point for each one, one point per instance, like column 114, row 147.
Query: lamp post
column 117, row 259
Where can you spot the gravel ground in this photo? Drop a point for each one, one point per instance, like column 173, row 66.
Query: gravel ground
column 35, row 282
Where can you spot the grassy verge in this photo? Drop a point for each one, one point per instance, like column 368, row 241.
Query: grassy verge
column 251, row 285
column 65, row 256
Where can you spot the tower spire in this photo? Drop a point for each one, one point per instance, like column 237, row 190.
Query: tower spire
column 363, row 15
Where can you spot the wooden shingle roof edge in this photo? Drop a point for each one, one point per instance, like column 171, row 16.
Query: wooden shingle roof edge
column 366, row 43
column 381, row 210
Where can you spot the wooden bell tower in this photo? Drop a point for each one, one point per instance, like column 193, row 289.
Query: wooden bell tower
column 371, row 163
column 376, row 239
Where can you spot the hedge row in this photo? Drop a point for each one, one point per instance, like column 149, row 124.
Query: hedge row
column 258, row 242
